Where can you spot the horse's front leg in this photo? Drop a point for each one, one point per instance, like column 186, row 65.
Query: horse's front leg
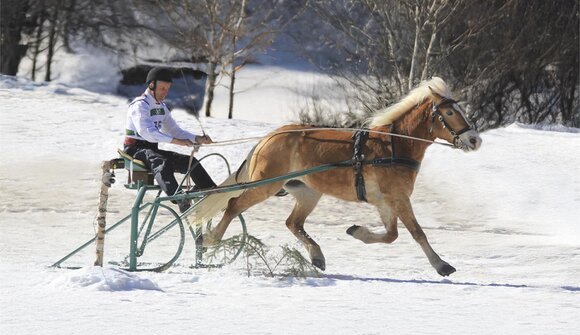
column 405, row 212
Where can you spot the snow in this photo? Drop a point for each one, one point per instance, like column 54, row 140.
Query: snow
column 89, row 68
column 505, row 216
column 103, row 279
column 273, row 94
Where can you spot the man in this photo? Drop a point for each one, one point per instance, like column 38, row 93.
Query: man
column 149, row 123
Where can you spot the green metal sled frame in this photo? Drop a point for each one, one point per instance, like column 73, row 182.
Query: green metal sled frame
column 137, row 250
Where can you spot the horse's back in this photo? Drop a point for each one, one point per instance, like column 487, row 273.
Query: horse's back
column 306, row 146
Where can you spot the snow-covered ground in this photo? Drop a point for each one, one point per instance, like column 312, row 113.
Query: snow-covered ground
column 507, row 217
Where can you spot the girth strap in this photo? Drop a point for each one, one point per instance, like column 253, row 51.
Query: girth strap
column 360, row 137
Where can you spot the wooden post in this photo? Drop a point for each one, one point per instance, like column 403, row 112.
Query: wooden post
column 107, row 179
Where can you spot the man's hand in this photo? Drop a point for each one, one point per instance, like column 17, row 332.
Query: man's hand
column 203, row 140
column 185, row 143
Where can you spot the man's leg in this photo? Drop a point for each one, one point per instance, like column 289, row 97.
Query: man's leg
column 162, row 168
column 181, row 164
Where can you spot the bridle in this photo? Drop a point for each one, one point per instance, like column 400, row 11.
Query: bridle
column 436, row 112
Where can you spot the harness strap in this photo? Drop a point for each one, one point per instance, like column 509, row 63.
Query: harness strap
column 358, row 160
column 360, row 138
column 409, row 163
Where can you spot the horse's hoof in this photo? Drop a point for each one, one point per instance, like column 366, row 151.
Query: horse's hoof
column 446, row 270
column 352, row 229
column 319, row 263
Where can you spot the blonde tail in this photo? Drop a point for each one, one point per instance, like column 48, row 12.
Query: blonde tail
column 209, row 206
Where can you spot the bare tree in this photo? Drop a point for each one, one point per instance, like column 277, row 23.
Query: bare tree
column 12, row 23
column 222, row 34
column 200, row 29
column 516, row 60
column 53, row 32
column 39, row 37
column 48, row 24
column 519, row 61
column 235, row 33
column 39, row 23
column 253, row 32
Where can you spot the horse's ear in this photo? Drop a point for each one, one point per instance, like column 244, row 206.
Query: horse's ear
column 436, row 96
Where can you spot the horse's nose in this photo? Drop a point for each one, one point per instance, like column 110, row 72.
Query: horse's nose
column 475, row 142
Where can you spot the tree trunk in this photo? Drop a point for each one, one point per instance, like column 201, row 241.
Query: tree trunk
column 399, row 76
column 102, row 212
column 429, row 55
column 415, row 49
column 68, row 21
column 38, row 42
column 210, row 87
column 232, row 79
column 233, row 58
column 51, row 41
column 12, row 20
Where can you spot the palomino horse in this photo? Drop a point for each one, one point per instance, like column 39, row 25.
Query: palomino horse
column 426, row 113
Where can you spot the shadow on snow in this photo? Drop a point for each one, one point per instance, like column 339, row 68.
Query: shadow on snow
column 436, row 282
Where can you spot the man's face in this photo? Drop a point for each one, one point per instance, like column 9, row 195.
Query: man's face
column 162, row 90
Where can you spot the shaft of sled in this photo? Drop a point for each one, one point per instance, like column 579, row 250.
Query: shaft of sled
column 252, row 184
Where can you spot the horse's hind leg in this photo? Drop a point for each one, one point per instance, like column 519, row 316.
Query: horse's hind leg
column 238, row 205
column 405, row 212
column 306, row 201
column 389, row 220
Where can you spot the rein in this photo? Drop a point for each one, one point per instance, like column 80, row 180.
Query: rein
column 349, row 130
column 358, row 160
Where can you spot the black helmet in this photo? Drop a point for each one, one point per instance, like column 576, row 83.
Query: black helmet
column 160, row 73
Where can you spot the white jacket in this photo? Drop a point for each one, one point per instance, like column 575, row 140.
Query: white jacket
column 149, row 120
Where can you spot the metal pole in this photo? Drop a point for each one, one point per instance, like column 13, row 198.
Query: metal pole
column 135, row 225
column 89, row 242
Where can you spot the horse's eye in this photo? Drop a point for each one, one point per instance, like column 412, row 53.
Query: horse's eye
column 449, row 112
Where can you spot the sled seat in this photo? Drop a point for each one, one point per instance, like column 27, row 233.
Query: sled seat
column 137, row 169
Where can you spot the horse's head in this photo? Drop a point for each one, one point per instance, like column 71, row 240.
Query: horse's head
column 449, row 122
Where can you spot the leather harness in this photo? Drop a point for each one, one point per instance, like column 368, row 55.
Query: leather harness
column 360, row 137
column 358, row 160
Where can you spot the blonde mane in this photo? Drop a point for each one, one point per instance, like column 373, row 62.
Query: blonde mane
column 414, row 98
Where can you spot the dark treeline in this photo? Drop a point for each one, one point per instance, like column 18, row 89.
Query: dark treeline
column 511, row 60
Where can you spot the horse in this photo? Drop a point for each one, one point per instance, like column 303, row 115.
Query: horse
column 397, row 137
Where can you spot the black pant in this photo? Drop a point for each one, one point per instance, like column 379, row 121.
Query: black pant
column 164, row 164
